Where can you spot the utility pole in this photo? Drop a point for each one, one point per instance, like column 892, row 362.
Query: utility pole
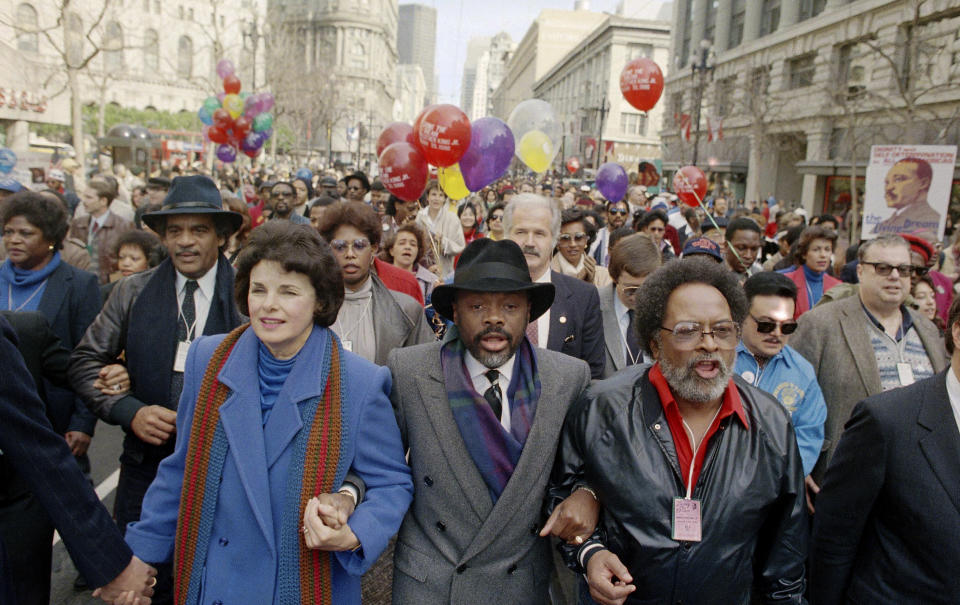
column 702, row 67
column 604, row 108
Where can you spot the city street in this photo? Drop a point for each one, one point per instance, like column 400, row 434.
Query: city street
column 104, row 459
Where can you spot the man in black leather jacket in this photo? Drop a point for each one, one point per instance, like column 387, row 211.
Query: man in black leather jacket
column 697, row 472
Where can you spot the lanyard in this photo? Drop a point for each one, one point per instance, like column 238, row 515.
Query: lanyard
column 24, row 303
column 180, row 317
column 693, row 459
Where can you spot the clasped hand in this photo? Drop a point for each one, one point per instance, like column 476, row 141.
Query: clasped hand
column 325, row 523
column 134, row 585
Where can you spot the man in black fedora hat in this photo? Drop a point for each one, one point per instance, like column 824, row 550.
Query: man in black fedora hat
column 152, row 317
column 480, row 415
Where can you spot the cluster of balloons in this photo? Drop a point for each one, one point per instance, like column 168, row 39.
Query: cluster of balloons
column 8, row 159
column 237, row 121
column 468, row 156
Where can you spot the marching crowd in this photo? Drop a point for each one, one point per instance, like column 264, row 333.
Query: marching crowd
column 532, row 395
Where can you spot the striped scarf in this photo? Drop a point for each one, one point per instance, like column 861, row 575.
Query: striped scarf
column 494, row 450
column 304, row 575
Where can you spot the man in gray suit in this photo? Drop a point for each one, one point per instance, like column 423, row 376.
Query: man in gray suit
column 632, row 259
column 373, row 319
column 481, row 415
column 869, row 343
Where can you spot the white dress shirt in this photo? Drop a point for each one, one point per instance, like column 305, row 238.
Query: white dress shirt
column 543, row 322
column 478, row 373
column 202, row 298
column 623, row 321
column 953, row 394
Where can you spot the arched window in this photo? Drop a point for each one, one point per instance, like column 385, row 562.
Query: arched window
column 27, row 26
column 185, row 58
column 151, row 51
column 74, row 25
column 113, row 47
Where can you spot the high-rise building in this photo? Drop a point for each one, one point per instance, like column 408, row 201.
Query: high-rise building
column 795, row 93
column 417, row 41
column 411, row 89
column 473, row 86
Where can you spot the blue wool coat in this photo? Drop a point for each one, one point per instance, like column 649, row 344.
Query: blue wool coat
column 242, row 556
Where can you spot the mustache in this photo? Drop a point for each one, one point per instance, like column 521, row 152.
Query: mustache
column 707, row 357
column 532, row 250
column 493, row 330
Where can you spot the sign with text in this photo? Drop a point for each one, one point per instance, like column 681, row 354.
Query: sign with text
column 908, row 190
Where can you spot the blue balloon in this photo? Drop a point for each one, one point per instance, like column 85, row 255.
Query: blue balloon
column 205, row 116
column 304, row 173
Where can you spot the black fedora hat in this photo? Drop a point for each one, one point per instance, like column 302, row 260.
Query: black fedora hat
column 493, row 266
column 192, row 195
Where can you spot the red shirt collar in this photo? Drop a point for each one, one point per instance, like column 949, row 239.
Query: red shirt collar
column 730, row 404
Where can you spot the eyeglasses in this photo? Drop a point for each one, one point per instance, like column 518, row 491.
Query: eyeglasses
column 577, row 237
column 766, row 327
column 884, row 269
column 496, row 217
column 687, row 334
column 283, row 194
column 919, row 271
column 359, row 245
column 629, row 291
column 622, row 211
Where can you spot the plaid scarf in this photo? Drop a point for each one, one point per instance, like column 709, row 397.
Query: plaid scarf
column 304, row 574
column 494, row 450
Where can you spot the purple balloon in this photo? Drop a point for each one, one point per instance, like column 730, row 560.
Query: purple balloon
column 267, row 133
column 252, row 142
column 226, row 153
column 221, row 96
column 251, row 106
column 489, row 154
column 266, row 101
column 612, row 181
column 225, row 68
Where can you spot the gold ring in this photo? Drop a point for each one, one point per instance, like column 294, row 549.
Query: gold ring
column 305, row 530
column 153, row 582
column 578, row 540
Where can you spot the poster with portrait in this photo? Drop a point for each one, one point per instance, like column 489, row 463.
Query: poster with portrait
column 908, row 190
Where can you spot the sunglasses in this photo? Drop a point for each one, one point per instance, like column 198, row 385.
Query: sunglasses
column 766, row 327
column 567, row 237
column 617, row 211
column 283, row 194
column 885, row 269
column 359, row 245
column 919, row 271
column 496, row 217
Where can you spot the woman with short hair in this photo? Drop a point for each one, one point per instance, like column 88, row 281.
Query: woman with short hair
column 250, row 507
column 814, row 256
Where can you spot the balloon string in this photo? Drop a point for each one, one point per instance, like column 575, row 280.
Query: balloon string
column 689, row 185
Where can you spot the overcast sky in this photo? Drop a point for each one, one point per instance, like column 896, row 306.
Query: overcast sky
column 460, row 20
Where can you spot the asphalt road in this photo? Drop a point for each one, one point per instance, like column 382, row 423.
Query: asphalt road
column 104, row 461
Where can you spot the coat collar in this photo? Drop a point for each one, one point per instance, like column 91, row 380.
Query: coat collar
column 856, row 331
column 616, row 348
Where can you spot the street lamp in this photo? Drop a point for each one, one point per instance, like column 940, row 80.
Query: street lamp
column 252, row 33
column 702, row 64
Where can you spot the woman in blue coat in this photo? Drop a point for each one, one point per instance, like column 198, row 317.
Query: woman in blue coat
column 272, row 417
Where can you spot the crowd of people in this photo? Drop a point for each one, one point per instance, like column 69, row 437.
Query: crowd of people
column 531, row 395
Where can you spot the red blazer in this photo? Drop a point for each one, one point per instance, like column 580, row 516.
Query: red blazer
column 398, row 280
column 803, row 302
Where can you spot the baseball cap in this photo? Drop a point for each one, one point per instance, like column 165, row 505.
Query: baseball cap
column 56, row 175
column 11, row 185
column 704, row 246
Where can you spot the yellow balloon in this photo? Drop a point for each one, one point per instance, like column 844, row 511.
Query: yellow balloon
column 233, row 104
column 536, row 150
column 451, row 181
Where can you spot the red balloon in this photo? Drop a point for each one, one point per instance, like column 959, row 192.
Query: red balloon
column 403, row 170
column 252, row 152
column 242, row 125
column 690, row 185
column 444, row 135
column 231, row 85
column 395, row 131
column 573, row 164
column 641, row 83
column 217, row 134
column 221, row 117
column 416, row 124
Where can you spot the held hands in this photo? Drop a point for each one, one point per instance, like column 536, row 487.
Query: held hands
column 574, row 519
column 78, row 442
column 113, row 380
column 811, row 492
column 325, row 523
column 608, row 579
column 154, row 424
column 134, row 585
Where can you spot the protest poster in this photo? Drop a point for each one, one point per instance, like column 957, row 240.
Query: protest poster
column 908, row 190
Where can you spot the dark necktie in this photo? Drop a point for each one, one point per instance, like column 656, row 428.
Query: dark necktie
column 494, row 395
column 634, row 352
column 185, row 333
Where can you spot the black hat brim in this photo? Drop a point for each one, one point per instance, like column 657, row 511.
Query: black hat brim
column 541, row 294
column 153, row 219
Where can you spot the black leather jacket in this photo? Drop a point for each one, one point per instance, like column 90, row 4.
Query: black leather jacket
column 617, row 440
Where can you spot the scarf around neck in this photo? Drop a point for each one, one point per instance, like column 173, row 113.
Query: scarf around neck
column 24, row 286
column 494, row 450
column 303, row 575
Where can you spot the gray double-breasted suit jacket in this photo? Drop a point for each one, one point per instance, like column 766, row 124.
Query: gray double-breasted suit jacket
column 456, row 545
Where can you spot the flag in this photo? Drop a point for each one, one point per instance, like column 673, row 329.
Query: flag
column 684, row 121
column 709, row 131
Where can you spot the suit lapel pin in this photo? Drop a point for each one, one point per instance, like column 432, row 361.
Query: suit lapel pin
column 563, row 319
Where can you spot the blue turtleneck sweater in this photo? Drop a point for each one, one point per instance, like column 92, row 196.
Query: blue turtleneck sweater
column 273, row 373
column 814, row 285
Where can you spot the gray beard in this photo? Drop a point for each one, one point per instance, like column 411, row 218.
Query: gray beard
column 686, row 385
